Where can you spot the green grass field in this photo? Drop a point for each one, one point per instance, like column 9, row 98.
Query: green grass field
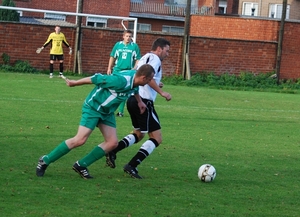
column 252, row 139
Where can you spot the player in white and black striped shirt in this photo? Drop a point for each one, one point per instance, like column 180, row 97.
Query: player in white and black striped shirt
column 148, row 122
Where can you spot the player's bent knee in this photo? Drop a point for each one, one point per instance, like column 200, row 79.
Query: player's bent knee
column 113, row 142
column 114, row 145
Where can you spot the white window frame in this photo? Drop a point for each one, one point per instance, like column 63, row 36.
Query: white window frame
column 275, row 11
column 95, row 21
column 140, row 26
column 223, row 4
column 171, row 29
column 20, row 13
column 247, row 8
column 55, row 16
column 169, row 2
column 180, row 3
column 144, row 26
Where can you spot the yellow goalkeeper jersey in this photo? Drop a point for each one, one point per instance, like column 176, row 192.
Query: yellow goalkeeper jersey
column 57, row 40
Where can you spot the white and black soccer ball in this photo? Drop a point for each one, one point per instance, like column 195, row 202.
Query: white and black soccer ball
column 207, row 173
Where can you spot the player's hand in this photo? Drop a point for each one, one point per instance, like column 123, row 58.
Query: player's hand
column 70, row 52
column 166, row 95
column 108, row 72
column 142, row 107
column 70, row 83
column 39, row 50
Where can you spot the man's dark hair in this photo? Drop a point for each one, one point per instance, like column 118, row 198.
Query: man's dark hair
column 160, row 42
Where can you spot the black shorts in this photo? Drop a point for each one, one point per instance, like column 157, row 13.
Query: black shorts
column 56, row 57
column 146, row 122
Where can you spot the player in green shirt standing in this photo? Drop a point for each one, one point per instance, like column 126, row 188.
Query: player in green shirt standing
column 98, row 111
column 57, row 39
column 124, row 56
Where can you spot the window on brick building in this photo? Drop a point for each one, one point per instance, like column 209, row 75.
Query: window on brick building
column 222, row 7
column 20, row 13
column 173, row 29
column 181, row 3
column 250, row 9
column 170, row 2
column 96, row 22
column 55, row 16
column 138, row 1
column 140, row 26
column 275, row 11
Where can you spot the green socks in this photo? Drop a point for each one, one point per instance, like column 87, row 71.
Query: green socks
column 121, row 107
column 91, row 157
column 57, row 153
column 63, row 149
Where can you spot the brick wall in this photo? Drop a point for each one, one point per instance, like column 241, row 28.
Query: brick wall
column 290, row 64
column 95, row 50
column 120, row 8
column 224, row 44
column 103, row 7
column 234, row 28
column 217, row 44
column 231, row 56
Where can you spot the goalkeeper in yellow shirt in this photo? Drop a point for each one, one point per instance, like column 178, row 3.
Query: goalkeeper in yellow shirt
column 57, row 39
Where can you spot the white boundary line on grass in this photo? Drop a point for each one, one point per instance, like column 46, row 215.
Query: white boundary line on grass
column 41, row 100
column 227, row 109
column 162, row 106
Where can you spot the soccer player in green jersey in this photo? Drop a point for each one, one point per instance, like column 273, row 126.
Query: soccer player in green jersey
column 98, row 111
column 124, row 56
column 57, row 39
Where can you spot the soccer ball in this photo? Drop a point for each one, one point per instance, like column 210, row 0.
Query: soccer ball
column 207, row 173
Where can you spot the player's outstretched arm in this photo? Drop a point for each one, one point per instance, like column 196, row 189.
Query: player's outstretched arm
column 73, row 83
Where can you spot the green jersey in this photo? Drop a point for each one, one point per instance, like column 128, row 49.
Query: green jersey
column 110, row 91
column 125, row 55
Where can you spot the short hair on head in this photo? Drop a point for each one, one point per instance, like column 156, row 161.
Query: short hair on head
column 145, row 70
column 160, row 42
column 127, row 31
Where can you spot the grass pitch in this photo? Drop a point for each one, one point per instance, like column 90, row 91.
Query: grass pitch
column 251, row 138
